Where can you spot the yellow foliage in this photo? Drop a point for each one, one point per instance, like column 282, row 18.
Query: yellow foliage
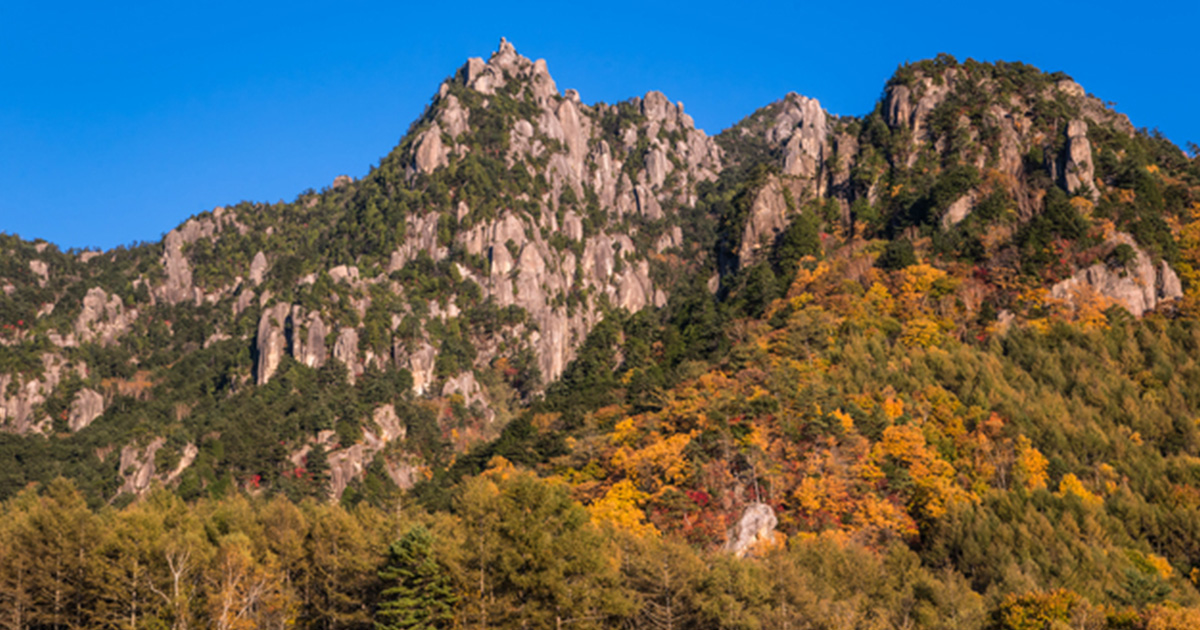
column 1083, row 206
column 1031, row 465
column 619, row 508
column 932, row 476
column 1070, row 485
column 1161, row 566
column 1040, row 325
column 880, row 299
column 920, row 332
column 624, row 432
column 660, row 461
column 918, row 279
column 844, row 419
column 893, row 408
column 1151, row 168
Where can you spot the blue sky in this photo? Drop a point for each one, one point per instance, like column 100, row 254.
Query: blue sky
column 119, row 120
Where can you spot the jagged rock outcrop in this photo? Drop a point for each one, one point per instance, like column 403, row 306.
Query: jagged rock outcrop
column 420, row 363
column 1138, row 285
column 137, row 466
column 802, row 129
column 346, row 351
column 756, row 528
column 41, row 270
column 350, row 462
column 258, row 268
column 960, row 209
column 1013, row 131
column 768, row 218
column 87, row 406
column 566, row 143
column 271, row 342
column 308, row 337
column 1077, row 170
column 21, row 395
column 178, row 285
column 103, row 319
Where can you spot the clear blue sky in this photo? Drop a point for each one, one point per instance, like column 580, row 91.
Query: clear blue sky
column 119, row 120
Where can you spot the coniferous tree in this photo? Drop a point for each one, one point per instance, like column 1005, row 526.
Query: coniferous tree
column 418, row 594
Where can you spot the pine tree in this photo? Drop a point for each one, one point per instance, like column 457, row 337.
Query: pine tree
column 417, row 595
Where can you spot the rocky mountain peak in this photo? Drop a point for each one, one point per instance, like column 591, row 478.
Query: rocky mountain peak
column 504, row 66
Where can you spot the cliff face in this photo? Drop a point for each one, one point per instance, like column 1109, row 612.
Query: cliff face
column 609, row 174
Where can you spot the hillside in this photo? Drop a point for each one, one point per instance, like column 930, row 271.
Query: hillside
column 953, row 339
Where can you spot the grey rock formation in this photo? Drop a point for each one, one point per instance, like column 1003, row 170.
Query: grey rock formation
column 137, row 466
column 346, row 351
column 959, row 209
column 308, row 337
column 756, row 527
column 87, row 406
column 17, row 408
column 41, row 270
column 1140, row 286
column 271, row 341
column 1078, row 170
column 802, row 129
column 258, row 268
column 103, row 318
column 178, row 284
column 431, row 153
column 388, row 424
column 768, row 218
column 420, row 363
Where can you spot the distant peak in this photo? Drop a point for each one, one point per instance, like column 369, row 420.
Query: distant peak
column 504, row 65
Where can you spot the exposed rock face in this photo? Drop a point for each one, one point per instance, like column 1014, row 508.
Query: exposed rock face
column 803, row 131
column 565, row 142
column 466, row 386
column 1139, row 286
column 755, row 528
column 258, row 267
column 178, row 285
column 308, row 337
column 271, row 341
column 1078, row 171
column 347, row 463
column 768, row 218
column 389, row 425
column 103, row 318
column 40, row 269
column 87, row 406
column 17, row 408
column 960, row 209
column 420, row 363
column 137, row 466
column 910, row 106
column 346, row 351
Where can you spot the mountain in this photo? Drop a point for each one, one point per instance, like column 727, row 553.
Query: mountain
column 932, row 366
column 472, row 263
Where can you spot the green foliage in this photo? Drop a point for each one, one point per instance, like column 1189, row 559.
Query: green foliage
column 417, row 591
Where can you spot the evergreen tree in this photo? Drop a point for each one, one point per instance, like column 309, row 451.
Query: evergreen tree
column 418, row 594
